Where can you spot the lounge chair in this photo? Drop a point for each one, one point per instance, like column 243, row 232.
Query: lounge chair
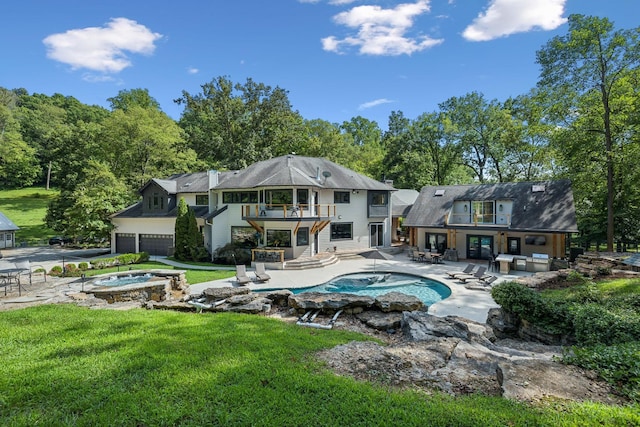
column 467, row 270
column 479, row 274
column 241, row 274
column 486, row 281
column 261, row 274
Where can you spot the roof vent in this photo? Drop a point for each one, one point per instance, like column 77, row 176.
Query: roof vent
column 537, row 188
column 439, row 193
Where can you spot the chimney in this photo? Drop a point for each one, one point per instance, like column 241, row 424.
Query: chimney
column 213, row 178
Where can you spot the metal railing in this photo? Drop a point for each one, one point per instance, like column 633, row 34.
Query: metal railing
column 475, row 219
column 288, row 211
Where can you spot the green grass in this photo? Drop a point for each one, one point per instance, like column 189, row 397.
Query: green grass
column 66, row 365
column 27, row 208
column 608, row 288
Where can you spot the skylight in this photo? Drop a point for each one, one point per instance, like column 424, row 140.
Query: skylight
column 537, row 188
column 439, row 193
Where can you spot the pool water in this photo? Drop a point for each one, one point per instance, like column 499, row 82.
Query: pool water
column 124, row 280
column 375, row 284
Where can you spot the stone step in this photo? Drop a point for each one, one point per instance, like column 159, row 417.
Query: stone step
column 317, row 261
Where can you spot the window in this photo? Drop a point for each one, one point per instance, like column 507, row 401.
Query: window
column 279, row 197
column 513, row 245
column 202, row 199
column 341, row 197
column 230, row 197
column 279, row 238
column 435, row 242
column 482, row 212
column 342, row 231
column 302, row 238
column 156, row 201
column 379, row 199
column 246, row 236
column 302, row 196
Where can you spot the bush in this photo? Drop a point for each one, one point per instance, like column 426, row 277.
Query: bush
column 553, row 317
column 124, row 259
column 619, row 365
column 232, row 253
column 596, row 324
column 56, row 270
column 83, row 266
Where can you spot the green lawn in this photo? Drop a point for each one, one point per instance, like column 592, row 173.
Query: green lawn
column 27, row 208
column 66, row 365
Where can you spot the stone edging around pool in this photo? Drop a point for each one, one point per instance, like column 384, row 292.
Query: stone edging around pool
column 167, row 284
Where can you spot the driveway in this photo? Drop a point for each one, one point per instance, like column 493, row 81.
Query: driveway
column 48, row 256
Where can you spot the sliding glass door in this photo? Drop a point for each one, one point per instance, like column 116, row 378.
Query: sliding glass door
column 480, row 247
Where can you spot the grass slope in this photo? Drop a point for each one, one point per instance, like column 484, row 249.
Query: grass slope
column 27, row 208
column 65, row 365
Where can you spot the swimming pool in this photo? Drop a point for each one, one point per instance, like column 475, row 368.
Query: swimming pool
column 375, row 284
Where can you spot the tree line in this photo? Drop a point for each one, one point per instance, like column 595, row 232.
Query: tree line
column 579, row 122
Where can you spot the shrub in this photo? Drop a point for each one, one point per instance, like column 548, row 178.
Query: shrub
column 124, row 259
column 619, row 365
column 56, row 270
column 70, row 267
column 83, row 266
column 553, row 317
column 596, row 324
column 232, row 253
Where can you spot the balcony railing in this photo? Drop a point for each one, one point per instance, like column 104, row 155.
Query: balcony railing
column 287, row 211
column 479, row 220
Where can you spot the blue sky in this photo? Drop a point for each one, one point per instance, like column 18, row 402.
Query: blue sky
column 337, row 58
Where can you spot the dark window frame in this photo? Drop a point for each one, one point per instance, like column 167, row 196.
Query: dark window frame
column 341, row 234
column 341, row 197
column 302, row 236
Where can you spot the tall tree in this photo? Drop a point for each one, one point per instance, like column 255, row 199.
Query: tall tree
column 232, row 125
column 126, row 99
column 591, row 60
column 18, row 163
column 85, row 211
column 143, row 143
column 483, row 130
column 366, row 138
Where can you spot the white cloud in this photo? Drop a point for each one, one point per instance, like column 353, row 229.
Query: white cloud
column 506, row 17
column 381, row 31
column 102, row 49
column 192, row 70
column 374, row 103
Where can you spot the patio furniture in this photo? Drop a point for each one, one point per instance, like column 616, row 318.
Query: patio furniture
column 241, row 274
column 261, row 274
column 479, row 274
column 467, row 270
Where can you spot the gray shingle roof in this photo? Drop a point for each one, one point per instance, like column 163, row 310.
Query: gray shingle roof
column 402, row 200
column 6, row 224
column 298, row 171
column 551, row 210
column 135, row 211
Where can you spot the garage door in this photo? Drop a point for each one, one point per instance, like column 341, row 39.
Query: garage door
column 125, row 243
column 156, row 244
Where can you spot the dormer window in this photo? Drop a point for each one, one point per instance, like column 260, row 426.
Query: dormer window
column 156, row 201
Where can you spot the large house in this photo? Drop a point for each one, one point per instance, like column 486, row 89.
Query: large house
column 288, row 206
column 482, row 221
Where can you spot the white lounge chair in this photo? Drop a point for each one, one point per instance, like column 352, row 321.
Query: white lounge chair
column 241, row 274
column 261, row 274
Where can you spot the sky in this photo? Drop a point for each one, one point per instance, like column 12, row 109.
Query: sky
column 337, row 59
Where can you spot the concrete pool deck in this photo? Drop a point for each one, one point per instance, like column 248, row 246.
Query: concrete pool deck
column 467, row 303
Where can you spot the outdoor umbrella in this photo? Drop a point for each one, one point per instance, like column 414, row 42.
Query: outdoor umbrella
column 375, row 254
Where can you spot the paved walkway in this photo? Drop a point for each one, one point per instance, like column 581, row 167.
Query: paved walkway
column 468, row 303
